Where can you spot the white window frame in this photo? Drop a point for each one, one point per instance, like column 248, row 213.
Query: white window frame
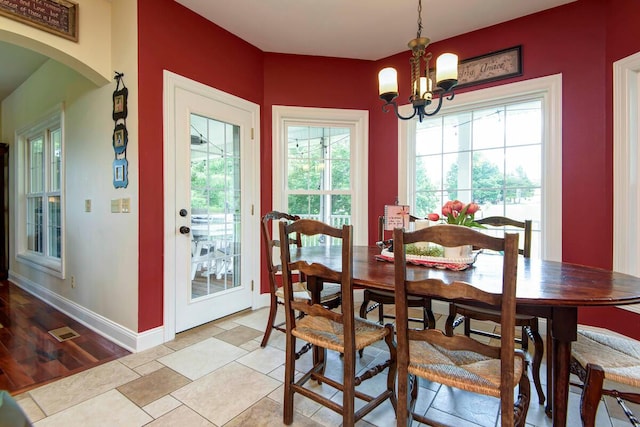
column 50, row 265
column 626, row 161
column 550, row 90
column 359, row 120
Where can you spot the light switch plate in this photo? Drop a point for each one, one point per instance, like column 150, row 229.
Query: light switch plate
column 87, row 205
column 126, row 205
column 116, row 205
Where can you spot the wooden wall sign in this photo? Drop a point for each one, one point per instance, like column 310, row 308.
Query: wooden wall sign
column 490, row 67
column 58, row 17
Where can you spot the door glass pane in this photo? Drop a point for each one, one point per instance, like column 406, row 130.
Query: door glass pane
column 215, row 206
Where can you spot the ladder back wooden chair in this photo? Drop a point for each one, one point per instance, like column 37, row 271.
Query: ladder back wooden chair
column 380, row 298
column 527, row 323
column 330, row 294
column 598, row 356
column 459, row 361
column 337, row 330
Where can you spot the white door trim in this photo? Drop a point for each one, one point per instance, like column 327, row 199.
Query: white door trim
column 626, row 161
column 172, row 82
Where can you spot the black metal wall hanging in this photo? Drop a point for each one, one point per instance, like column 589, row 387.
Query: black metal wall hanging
column 120, row 137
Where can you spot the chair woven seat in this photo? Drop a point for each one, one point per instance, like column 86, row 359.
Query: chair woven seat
column 329, row 292
column 462, row 369
column 325, row 333
column 300, row 292
column 619, row 357
column 481, row 310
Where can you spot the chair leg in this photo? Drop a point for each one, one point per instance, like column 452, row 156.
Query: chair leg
column 522, row 402
column 591, row 395
column 450, row 323
column 349, row 390
column 549, row 407
column 467, row 326
column 289, row 377
column 429, row 318
column 538, row 348
column 272, row 318
column 393, row 367
column 524, row 343
column 365, row 304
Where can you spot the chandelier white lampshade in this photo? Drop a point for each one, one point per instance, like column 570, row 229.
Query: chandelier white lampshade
column 388, row 82
column 422, row 90
column 447, row 70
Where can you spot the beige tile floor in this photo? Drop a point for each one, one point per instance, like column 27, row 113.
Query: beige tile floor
column 217, row 375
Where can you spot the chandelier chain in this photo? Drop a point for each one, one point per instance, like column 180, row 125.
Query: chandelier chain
column 419, row 33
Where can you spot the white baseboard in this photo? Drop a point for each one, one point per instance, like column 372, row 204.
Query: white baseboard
column 635, row 308
column 114, row 332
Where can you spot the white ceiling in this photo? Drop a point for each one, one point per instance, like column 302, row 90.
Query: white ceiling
column 359, row 29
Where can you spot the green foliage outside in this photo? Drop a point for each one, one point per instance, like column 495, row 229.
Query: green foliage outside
column 210, row 195
column 489, row 183
column 307, row 174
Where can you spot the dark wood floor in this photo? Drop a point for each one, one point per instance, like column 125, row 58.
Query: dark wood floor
column 30, row 356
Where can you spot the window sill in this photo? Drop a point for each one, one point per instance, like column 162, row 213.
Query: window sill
column 51, row 266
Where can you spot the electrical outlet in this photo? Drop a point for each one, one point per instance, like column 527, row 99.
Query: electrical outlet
column 73, row 281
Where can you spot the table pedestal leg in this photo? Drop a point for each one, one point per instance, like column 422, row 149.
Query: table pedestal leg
column 564, row 330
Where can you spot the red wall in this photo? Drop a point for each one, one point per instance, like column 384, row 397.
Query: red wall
column 172, row 37
column 551, row 44
column 582, row 48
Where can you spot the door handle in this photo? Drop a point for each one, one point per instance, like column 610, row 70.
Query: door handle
column 185, row 230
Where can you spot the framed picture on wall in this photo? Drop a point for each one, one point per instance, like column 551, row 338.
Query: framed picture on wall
column 120, row 103
column 120, row 178
column 120, row 138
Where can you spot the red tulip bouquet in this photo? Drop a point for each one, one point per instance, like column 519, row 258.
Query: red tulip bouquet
column 457, row 213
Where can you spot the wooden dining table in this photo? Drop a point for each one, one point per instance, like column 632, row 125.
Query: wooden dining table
column 548, row 289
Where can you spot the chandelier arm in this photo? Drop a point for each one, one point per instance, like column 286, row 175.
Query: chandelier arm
column 434, row 112
column 395, row 109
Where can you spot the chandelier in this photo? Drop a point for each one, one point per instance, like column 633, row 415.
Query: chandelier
column 422, row 90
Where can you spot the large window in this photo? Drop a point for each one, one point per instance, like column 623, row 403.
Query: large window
column 497, row 148
column 489, row 155
column 40, row 224
column 320, row 166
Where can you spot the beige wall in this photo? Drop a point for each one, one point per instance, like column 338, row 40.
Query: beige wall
column 90, row 55
column 101, row 247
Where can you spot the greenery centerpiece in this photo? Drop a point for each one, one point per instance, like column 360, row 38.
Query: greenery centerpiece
column 453, row 212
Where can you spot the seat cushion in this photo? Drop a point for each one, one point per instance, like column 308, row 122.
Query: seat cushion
column 388, row 294
column 330, row 291
column 326, row 333
column 462, row 369
column 300, row 292
column 495, row 313
column 618, row 356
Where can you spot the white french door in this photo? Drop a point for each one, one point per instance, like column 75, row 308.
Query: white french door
column 211, row 219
